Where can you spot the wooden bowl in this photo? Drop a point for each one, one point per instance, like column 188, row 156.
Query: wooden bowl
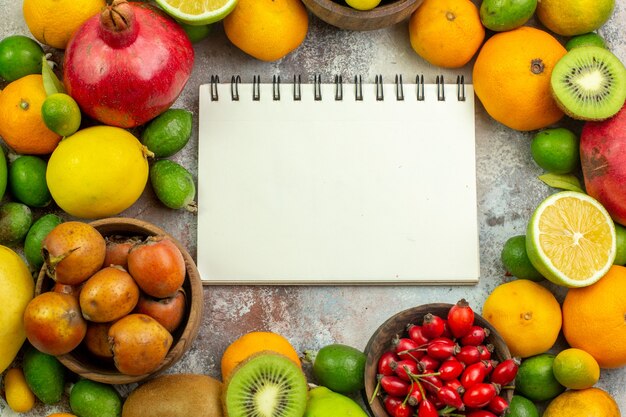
column 339, row 14
column 380, row 342
column 83, row 363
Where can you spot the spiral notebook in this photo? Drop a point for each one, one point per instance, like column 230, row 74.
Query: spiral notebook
column 337, row 182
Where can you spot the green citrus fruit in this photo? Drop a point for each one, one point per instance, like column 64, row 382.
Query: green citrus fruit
column 326, row 403
column 15, row 220
column 501, row 15
column 556, row 150
column 35, row 236
column 3, row 173
column 27, row 181
column 570, row 239
column 586, row 39
column 45, row 375
column 19, row 56
column 521, row 407
column 340, row 368
column 576, row 369
column 94, row 399
column 515, row 259
column 196, row 32
column 168, row 133
column 193, row 12
column 574, row 17
column 535, row 379
column 61, row 114
column 173, row 185
column 620, row 245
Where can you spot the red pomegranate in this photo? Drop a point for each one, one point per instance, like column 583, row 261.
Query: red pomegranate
column 128, row 64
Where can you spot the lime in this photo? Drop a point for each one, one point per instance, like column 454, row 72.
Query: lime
column 521, row 407
column 95, row 399
column 45, row 375
column 35, row 236
column 19, row 56
column 196, row 32
column 173, row 185
column 3, row 173
column 620, row 245
column 15, row 220
column 363, row 4
column 61, row 114
column 576, row 369
column 168, row 133
column 556, row 150
column 571, row 239
column 501, row 15
column 27, row 181
column 587, row 39
column 535, row 379
column 325, row 403
column 515, row 259
column 197, row 13
column 339, row 367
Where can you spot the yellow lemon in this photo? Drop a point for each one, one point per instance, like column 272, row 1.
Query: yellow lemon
column 590, row 402
column 574, row 17
column 526, row 314
column 576, row 369
column 97, row 172
column 52, row 22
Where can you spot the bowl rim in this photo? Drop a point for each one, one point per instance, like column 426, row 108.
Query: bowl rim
column 183, row 337
column 376, row 408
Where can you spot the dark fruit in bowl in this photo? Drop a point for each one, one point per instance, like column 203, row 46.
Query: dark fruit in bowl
column 169, row 312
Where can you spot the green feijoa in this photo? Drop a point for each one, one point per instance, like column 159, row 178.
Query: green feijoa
column 196, row 33
column 173, row 185
column 168, row 133
column 95, row 399
column 556, row 150
column 3, row 173
column 503, row 15
column 15, row 220
column 19, row 56
column 340, row 368
column 35, row 236
column 45, row 375
column 27, row 181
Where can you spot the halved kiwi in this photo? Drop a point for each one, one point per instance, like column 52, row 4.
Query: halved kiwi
column 589, row 83
column 267, row 384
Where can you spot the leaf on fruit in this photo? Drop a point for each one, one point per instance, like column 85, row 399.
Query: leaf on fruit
column 562, row 181
column 50, row 81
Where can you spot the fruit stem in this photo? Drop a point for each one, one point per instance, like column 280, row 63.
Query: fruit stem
column 192, row 207
column 376, row 389
column 309, row 356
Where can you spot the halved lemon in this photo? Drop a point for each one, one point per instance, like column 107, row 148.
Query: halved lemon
column 197, row 12
column 571, row 239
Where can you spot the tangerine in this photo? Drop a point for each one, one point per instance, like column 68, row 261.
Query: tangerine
column 21, row 124
column 446, row 33
column 583, row 403
column 512, row 78
column 254, row 342
column 594, row 318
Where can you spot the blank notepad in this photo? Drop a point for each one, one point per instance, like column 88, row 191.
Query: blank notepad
column 336, row 191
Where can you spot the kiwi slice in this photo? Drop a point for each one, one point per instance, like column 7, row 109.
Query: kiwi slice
column 267, row 384
column 589, row 83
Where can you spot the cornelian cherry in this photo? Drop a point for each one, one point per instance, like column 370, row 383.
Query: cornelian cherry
column 475, row 337
column 384, row 363
column 460, row 318
column 432, row 326
column 450, row 369
column 506, row 371
column 479, row 395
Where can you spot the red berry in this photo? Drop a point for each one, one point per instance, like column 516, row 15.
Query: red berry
column 431, row 383
column 455, row 384
column 450, row 369
column 490, row 365
column 403, row 410
column 417, row 335
column 460, row 318
column 415, row 394
column 475, row 337
column 394, row 385
column 432, row 326
column 468, row 354
column 440, row 349
column 428, row 363
column 427, row 409
column 485, row 351
column 505, row 371
column 450, row 397
column 390, row 402
column 405, row 348
column 479, row 395
column 473, row 374
column 498, row 405
column 404, row 368
column 384, row 363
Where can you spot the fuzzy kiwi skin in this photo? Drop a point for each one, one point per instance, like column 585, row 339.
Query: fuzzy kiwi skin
column 176, row 395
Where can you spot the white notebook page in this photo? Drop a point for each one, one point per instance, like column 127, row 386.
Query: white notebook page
column 316, row 192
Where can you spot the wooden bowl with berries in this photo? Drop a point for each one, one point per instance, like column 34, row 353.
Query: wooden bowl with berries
column 134, row 317
column 434, row 357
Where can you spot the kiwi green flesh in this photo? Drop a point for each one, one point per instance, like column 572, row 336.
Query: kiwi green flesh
column 268, row 385
column 589, row 83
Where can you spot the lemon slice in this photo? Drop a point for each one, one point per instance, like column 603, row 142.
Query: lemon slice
column 571, row 239
column 197, row 12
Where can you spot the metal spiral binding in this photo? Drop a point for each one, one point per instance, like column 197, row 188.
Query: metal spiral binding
column 297, row 88
column 215, row 80
column 380, row 96
column 317, row 87
column 276, row 87
column 256, row 88
column 399, row 88
column 338, row 88
column 441, row 95
column 234, row 87
column 460, row 87
column 358, row 88
column 419, row 81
